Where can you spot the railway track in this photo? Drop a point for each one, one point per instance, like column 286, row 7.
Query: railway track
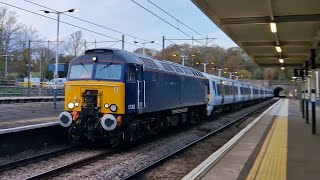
column 70, row 166
column 32, row 159
column 157, row 163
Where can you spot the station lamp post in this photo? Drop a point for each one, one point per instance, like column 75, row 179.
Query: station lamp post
column 56, row 75
column 205, row 66
column 230, row 75
column 183, row 57
column 6, row 63
column 143, row 45
column 219, row 71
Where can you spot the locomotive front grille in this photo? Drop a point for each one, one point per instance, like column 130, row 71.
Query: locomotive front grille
column 91, row 98
column 90, row 106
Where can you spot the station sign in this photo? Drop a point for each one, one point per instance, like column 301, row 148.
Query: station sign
column 52, row 67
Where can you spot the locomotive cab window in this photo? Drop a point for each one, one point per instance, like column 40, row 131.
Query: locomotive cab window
column 81, row 71
column 131, row 77
column 108, row 71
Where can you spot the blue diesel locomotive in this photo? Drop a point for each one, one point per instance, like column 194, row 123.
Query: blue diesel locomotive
column 120, row 96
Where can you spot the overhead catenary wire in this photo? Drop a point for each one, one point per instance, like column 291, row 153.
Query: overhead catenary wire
column 67, row 23
column 80, row 19
column 164, row 20
column 175, row 18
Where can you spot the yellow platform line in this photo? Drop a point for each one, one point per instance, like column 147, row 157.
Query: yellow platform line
column 271, row 162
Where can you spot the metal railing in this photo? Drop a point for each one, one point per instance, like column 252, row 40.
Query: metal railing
column 23, row 91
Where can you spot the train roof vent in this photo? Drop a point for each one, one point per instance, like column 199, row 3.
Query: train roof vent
column 107, row 51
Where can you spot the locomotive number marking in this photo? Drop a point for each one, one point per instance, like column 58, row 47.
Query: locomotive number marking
column 131, row 106
column 115, row 89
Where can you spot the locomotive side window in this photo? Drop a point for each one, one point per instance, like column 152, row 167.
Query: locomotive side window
column 131, row 77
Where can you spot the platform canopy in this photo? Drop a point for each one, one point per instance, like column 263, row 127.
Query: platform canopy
column 247, row 23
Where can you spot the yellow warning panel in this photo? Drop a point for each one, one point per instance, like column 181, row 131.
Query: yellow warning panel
column 271, row 162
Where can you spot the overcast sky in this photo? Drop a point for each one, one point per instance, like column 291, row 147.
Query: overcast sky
column 124, row 16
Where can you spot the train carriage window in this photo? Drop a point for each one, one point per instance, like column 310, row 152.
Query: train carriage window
column 225, row 87
column 208, row 86
column 229, row 90
column 219, row 89
column 214, row 87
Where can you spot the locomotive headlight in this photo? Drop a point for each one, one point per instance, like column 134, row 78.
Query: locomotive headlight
column 106, row 105
column 70, row 105
column 76, row 104
column 113, row 107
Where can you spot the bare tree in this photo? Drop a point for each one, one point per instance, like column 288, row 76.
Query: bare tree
column 9, row 26
column 75, row 44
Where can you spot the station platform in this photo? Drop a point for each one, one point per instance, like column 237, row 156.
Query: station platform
column 28, row 114
column 277, row 145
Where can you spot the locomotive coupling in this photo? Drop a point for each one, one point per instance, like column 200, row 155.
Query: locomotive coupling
column 108, row 122
column 65, row 119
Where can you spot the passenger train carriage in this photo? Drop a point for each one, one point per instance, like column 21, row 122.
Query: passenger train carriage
column 226, row 94
column 119, row 96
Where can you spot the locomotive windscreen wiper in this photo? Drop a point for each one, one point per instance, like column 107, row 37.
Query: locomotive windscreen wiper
column 83, row 66
column 107, row 65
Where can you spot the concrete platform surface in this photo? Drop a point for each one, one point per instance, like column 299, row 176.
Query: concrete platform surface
column 279, row 146
column 23, row 114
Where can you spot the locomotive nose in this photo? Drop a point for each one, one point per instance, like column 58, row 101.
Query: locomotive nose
column 65, row 119
column 108, row 122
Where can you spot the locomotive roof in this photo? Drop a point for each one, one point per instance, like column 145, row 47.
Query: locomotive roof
column 107, row 54
column 117, row 55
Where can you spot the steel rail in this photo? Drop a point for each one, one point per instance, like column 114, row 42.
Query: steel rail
column 159, row 161
column 29, row 160
column 54, row 172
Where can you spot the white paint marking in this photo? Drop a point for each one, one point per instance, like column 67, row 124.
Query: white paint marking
column 281, row 109
column 24, row 128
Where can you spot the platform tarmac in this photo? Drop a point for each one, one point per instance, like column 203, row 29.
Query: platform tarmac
column 279, row 145
column 25, row 114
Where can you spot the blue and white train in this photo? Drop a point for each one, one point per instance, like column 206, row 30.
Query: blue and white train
column 226, row 94
column 121, row 96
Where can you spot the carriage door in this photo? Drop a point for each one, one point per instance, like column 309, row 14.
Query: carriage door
column 141, row 88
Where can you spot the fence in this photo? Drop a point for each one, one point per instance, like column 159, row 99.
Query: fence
column 23, row 91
